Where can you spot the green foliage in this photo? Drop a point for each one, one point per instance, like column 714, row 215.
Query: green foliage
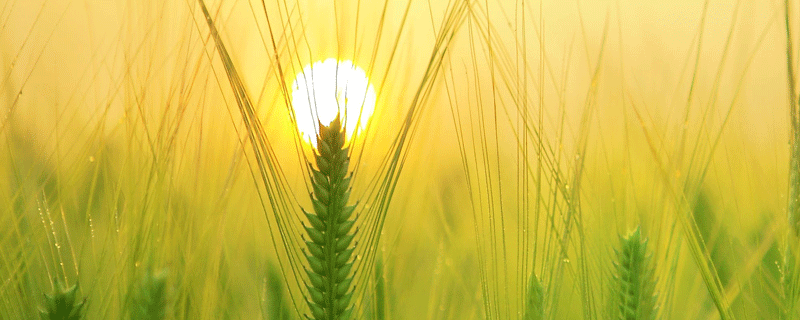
column 150, row 302
column 62, row 303
column 329, row 247
column 634, row 277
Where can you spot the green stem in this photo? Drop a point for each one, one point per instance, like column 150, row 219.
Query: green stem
column 329, row 247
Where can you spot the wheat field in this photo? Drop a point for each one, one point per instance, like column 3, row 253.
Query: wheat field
column 525, row 159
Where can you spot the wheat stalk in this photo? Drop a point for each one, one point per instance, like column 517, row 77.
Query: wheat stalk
column 329, row 247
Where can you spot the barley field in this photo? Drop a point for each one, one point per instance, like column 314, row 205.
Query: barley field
column 399, row 159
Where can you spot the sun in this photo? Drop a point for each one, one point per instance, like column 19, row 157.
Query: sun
column 326, row 88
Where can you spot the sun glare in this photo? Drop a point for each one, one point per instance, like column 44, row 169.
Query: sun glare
column 329, row 87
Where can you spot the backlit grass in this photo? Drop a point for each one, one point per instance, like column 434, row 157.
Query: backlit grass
column 154, row 154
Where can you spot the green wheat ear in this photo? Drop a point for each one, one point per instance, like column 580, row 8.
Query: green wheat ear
column 61, row 304
column 534, row 303
column 634, row 277
column 329, row 248
column 151, row 297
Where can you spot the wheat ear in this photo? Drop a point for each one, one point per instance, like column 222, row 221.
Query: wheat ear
column 61, row 304
column 150, row 302
column 634, row 277
column 534, row 303
column 329, row 247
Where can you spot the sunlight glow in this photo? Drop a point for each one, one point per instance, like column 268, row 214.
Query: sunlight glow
column 327, row 87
